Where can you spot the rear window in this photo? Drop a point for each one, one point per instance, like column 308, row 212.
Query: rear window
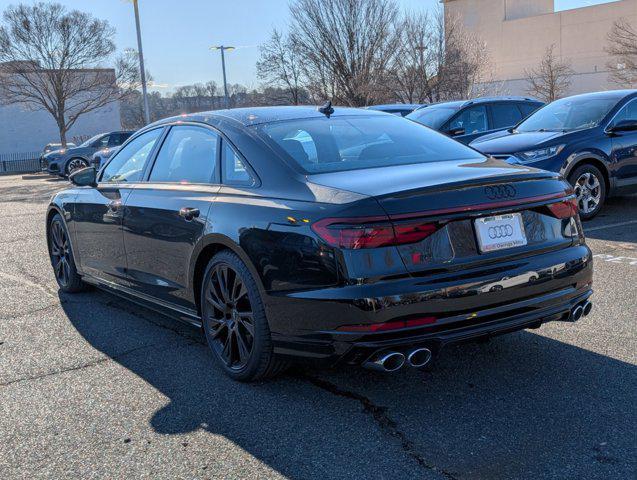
column 335, row 144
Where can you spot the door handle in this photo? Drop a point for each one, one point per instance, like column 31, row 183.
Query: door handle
column 188, row 213
column 114, row 206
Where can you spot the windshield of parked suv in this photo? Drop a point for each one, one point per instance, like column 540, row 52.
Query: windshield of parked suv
column 349, row 143
column 569, row 114
column 432, row 117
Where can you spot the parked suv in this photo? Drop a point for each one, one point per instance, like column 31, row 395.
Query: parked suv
column 467, row 120
column 590, row 139
column 66, row 161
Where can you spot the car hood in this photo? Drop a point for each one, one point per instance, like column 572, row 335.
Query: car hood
column 386, row 180
column 508, row 143
column 68, row 152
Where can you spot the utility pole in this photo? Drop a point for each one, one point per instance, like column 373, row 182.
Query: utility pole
column 141, row 64
column 223, row 68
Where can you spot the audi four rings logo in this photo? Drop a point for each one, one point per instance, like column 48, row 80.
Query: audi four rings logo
column 500, row 191
column 500, row 231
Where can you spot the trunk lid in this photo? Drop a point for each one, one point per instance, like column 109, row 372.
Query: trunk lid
column 448, row 198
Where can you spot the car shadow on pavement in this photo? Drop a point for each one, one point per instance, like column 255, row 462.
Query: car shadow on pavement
column 520, row 406
column 615, row 222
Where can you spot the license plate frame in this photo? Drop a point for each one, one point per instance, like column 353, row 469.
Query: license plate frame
column 500, row 232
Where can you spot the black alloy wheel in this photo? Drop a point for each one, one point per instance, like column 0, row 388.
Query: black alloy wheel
column 75, row 164
column 62, row 259
column 234, row 320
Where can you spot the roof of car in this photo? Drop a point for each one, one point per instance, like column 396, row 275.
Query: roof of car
column 475, row 101
column 390, row 106
column 257, row 115
column 616, row 94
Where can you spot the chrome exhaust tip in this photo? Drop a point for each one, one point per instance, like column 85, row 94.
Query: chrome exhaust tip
column 419, row 357
column 577, row 313
column 587, row 307
column 385, row 362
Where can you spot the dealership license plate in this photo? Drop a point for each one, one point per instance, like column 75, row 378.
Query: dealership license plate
column 500, row 232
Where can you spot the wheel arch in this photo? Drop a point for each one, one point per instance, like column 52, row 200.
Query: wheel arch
column 207, row 248
column 51, row 212
column 75, row 157
column 589, row 158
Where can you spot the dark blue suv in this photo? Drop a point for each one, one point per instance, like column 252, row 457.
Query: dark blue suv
column 467, row 120
column 590, row 139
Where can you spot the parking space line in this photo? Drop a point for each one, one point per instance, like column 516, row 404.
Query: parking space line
column 610, row 225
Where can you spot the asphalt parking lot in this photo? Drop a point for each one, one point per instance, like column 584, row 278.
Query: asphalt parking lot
column 94, row 387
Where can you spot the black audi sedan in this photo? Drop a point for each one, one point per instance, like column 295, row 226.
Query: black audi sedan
column 343, row 236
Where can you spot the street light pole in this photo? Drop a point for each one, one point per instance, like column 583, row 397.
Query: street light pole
column 223, row 68
column 141, row 64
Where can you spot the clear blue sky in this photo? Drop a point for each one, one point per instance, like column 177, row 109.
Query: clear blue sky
column 177, row 34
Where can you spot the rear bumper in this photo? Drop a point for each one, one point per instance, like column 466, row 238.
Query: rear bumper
column 467, row 304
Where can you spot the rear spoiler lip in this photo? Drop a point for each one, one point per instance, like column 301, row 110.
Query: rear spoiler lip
column 483, row 206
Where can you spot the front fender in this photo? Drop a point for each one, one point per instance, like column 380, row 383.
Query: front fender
column 599, row 158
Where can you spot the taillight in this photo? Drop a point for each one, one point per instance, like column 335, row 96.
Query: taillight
column 387, row 326
column 565, row 209
column 375, row 232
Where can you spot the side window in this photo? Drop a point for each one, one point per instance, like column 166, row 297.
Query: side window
column 528, row 108
column 232, row 168
column 128, row 164
column 505, row 115
column 472, row 119
column 117, row 139
column 628, row 112
column 188, row 155
column 102, row 142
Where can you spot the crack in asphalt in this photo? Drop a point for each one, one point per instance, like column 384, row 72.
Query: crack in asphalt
column 31, row 312
column 94, row 363
column 379, row 414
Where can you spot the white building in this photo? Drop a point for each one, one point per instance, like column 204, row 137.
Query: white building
column 23, row 129
column 517, row 33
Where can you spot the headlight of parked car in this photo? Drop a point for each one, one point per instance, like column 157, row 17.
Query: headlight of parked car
column 540, row 154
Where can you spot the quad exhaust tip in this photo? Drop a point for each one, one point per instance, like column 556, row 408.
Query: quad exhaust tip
column 386, row 362
column 581, row 310
column 587, row 307
column 419, row 357
column 394, row 361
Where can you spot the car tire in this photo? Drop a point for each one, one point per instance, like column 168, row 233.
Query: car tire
column 74, row 164
column 590, row 189
column 61, row 256
column 235, row 322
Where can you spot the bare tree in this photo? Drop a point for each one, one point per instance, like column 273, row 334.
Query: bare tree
column 551, row 79
column 279, row 66
column 438, row 60
column 465, row 68
column 622, row 47
column 50, row 58
column 344, row 46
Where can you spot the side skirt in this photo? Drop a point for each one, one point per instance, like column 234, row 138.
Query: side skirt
column 180, row 314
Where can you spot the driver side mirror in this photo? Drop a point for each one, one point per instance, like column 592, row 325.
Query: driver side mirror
column 454, row 132
column 86, row 177
column 624, row 126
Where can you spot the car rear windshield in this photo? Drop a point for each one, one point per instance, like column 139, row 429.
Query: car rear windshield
column 335, row 144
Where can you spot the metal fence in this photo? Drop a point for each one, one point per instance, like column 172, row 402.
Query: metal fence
column 26, row 162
